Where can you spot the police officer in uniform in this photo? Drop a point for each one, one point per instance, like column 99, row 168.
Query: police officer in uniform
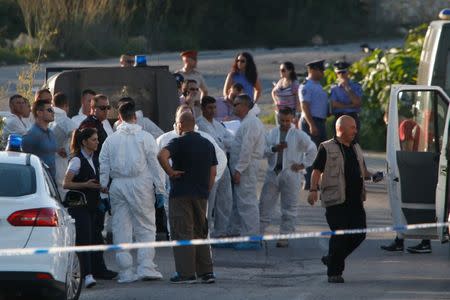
column 345, row 97
column 314, row 103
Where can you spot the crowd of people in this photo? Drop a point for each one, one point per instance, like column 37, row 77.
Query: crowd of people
column 204, row 172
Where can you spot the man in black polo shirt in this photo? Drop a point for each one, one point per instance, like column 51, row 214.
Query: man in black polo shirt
column 340, row 167
column 191, row 178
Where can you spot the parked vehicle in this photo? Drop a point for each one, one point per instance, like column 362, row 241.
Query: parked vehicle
column 417, row 150
column 31, row 215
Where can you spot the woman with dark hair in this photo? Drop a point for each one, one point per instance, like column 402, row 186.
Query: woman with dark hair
column 244, row 72
column 285, row 91
column 83, row 175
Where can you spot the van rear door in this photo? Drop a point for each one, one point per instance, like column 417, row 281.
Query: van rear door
column 417, row 129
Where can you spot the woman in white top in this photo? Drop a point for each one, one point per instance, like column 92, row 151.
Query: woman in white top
column 83, row 175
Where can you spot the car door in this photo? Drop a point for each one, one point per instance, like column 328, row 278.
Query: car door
column 417, row 130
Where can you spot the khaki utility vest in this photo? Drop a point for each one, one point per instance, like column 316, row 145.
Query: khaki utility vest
column 333, row 176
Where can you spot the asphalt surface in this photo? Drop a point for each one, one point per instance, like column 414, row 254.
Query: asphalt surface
column 296, row 272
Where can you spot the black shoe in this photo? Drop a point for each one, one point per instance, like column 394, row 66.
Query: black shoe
column 396, row 245
column 208, row 278
column 282, row 243
column 325, row 260
column 336, row 279
column 422, row 247
column 178, row 279
column 106, row 274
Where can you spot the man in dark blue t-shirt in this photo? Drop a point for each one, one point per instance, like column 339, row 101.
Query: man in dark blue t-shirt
column 192, row 176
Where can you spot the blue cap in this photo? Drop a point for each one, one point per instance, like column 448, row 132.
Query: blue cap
column 140, row 60
column 14, row 143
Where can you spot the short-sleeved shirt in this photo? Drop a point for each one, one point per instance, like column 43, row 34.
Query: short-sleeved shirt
column 194, row 75
column 194, row 155
column 224, row 110
column 312, row 93
column 286, row 96
column 338, row 94
column 75, row 163
column 42, row 143
column 352, row 172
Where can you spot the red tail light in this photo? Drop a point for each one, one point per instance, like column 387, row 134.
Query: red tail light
column 44, row 276
column 46, row 217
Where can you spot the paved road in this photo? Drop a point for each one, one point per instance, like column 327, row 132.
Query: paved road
column 297, row 273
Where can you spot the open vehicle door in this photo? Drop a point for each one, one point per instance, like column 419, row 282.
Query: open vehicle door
column 416, row 156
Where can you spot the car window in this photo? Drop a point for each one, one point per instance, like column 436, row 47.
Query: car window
column 422, row 117
column 14, row 176
column 50, row 184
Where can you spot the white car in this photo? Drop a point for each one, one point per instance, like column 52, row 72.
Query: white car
column 31, row 215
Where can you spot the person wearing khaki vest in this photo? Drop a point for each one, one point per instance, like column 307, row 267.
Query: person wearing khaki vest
column 340, row 169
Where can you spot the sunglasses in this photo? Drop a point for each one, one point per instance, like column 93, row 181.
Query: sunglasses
column 104, row 107
column 283, row 70
column 193, row 89
column 50, row 110
column 341, row 72
column 236, row 104
column 241, row 61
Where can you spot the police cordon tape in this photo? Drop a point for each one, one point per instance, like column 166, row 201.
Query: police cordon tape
column 254, row 238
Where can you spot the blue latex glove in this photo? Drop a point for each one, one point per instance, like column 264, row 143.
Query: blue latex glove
column 160, row 200
column 105, row 205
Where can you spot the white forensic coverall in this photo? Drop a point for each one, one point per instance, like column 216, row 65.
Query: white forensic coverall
column 13, row 125
column 128, row 156
column 145, row 123
column 246, row 151
column 62, row 127
column 220, row 201
column 300, row 150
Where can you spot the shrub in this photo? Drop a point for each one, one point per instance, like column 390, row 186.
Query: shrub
column 376, row 73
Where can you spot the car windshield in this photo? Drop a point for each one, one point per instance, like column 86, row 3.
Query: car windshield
column 17, row 180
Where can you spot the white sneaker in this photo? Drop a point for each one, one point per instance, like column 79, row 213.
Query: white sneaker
column 89, row 281
column 127, row 277
column 150, row 275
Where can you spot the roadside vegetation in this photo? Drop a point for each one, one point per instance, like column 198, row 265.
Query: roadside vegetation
column 376, row 73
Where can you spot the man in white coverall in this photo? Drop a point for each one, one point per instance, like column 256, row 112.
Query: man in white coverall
column 289, row 151
column 62, row 128
column 128, row 156
column 220, row 201
column 246, row 151
column 144, row 122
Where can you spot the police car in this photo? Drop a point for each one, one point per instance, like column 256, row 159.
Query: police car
column 417, row 148
column 31, row 215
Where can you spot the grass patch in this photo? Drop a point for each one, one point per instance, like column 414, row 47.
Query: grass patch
column 268, row 119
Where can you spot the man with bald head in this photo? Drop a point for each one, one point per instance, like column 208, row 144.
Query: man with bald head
column 191, row 176
column 340, row 170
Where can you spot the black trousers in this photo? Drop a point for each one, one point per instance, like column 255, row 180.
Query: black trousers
column 98, row 261
column 344, row 216
column 84, row 224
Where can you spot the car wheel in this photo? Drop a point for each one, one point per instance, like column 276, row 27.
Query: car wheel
column 74, row 281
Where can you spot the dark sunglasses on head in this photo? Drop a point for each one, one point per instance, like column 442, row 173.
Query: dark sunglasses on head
column 241, row 61
column 104, row 107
